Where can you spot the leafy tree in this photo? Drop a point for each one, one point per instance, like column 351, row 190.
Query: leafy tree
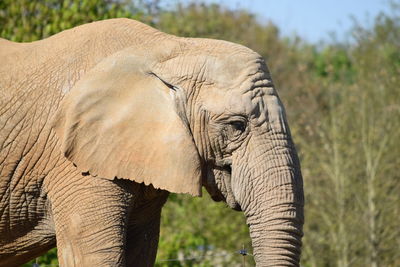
column 350, row 152
column 30, row 20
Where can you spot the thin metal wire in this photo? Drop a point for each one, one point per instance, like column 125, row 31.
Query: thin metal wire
column 169, row 260
column 196, row 258
column 205, row 256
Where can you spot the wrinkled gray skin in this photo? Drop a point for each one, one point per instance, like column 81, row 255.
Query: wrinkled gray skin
column 226, row 100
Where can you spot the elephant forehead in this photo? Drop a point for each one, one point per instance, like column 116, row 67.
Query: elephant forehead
column 220, row 101
column 239, row 82
column 254, row 103
column 247, row 93
column 237, row 69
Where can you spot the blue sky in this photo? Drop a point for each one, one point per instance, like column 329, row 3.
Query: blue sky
column 313, row 20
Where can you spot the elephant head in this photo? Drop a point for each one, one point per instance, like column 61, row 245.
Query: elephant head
column 182, row 113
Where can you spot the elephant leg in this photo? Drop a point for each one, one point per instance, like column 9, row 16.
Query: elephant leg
column 90, row 216
column 143, row 232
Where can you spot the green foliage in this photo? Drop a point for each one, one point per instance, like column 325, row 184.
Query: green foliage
column 333, row 62
column 48, row 259
column 30, row 20
column 200, row 227
column 342, row 102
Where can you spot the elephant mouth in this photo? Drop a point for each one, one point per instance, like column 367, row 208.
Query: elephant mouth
column 224, row 175
column 216, row 194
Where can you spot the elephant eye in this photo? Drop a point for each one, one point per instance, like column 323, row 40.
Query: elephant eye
column 239, row 126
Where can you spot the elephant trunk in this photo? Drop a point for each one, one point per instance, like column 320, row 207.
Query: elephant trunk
column 275, row 212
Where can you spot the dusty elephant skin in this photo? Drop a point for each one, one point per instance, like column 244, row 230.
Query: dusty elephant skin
column 100, row 122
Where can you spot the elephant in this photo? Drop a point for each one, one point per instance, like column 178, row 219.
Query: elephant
column 99, row 123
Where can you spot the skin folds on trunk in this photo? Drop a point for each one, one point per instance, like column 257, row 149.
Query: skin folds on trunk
column 276, row 232
column 274, row 209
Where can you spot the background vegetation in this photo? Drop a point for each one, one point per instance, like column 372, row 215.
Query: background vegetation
column 343, row 104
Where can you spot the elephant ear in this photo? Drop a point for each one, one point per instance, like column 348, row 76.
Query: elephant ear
column 119, row 121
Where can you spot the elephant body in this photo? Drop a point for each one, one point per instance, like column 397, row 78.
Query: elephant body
column 35, row 77
column 74, row 176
